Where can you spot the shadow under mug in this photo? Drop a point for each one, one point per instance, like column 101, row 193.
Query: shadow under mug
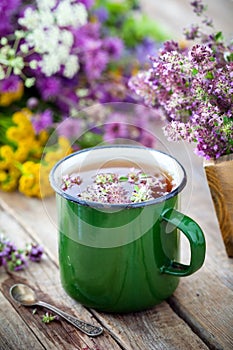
column 123, row 257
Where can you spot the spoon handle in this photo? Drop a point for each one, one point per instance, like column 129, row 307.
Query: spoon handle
column 87, row 328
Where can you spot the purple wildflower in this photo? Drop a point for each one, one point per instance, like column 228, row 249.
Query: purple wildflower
column 114, row 47
column 88, row 3
column 10, row 256
column 110, row 91
column 41, row 121
column 198, row 7
column 8, row 8
column 86, row 38
column 201, row 55
column 96, row 62
column 15, row 259
column 70, row 128
column 147, row 139
column 145, row 49
column 192, row 33
column 49, row 87
column 169, row 46
column 34, row 252
column 116, row 127
column 10, row 84
column 101, row 13
column 32, row 102
column 193, row 88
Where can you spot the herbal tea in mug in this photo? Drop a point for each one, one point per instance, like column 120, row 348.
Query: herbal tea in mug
column 118, row 183
column 118, row 223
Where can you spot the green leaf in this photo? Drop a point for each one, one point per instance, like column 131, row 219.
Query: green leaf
column 134, row 30
column 48, row 318
column 227, row 120
column 218, row 36
column 123, row 178
column 144, row 176
column 209, row 75
column 89, row 139
column 229, row 57
column 194, row 71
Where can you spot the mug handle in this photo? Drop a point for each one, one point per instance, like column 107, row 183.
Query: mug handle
column 196, row 239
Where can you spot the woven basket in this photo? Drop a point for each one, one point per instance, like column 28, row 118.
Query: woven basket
column 219, row 174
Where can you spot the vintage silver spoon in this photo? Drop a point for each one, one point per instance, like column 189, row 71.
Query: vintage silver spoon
column 26, row 296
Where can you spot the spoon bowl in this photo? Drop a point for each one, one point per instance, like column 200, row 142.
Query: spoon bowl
column 24, row 295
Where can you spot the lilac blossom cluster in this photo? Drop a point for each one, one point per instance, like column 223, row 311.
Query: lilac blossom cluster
column 193, row 87
column 131, row 126
column 14, row 259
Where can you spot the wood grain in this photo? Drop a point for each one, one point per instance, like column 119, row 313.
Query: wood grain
column 44, row 279
column 219, row 174
column 9, row 330
column 158, row 328
column 195, row 300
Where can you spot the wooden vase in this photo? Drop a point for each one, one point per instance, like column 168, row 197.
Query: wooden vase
column 219, row 174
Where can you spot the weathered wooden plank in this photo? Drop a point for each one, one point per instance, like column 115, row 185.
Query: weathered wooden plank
column 217, row 265
column 197, row 203
column 14, row 333
column 38, row 217
column 153, row 329
column 44, row 279
column 205, row 300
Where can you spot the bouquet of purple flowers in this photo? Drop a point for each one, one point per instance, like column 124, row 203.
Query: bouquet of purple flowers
column 193, row 87
column 57, row 58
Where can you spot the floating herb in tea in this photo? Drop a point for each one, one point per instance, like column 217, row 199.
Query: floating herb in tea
column 118, row 185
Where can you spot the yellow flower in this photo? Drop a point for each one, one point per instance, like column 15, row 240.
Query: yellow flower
column 43, row 137
column 10, row 181
column 4, row 164
column 9, row 185
column 13, row 134
column 7, row 153
column 45, row 188
column 23, row 129
column 28, row 167
column 7, row 98
column 29, row 181
column 3, row 175
column 19, row 135
column 22, row 152
column 35, row 149
column 26, row 182
column 64, row 145
column 50, row 157
column 22, row 117
column 60, row 150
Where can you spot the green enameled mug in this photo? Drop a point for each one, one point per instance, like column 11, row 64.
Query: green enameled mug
column 123, row 257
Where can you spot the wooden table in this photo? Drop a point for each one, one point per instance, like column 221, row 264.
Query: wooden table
column 198, row 316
